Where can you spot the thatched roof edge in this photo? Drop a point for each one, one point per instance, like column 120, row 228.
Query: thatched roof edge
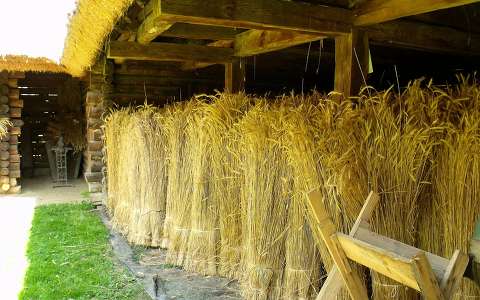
column 89, row 26
column 22, row 63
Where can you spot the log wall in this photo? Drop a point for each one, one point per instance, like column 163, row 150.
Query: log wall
column 10, row 108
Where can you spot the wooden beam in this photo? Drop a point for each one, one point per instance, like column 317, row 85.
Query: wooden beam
column 235, row 76
column 258, row 14
column 152, row 26
column 324, row 227
column 193, row 65
column 426, row 37
column 378, row 11
column 254, row 42
column 169, row 52
column 351, row 62
column 426, row 279
column 201, row 32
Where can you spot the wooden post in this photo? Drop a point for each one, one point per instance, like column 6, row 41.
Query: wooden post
column 235, row 76
column 351, row 62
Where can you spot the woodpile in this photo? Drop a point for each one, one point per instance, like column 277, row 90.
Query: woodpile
column 10, row 110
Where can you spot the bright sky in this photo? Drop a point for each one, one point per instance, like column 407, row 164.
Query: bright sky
column 34, row 27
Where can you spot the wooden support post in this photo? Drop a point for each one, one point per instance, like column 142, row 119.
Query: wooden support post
column 328, row 233
column 351, row 62
column 235, row 76
column 334, row 282
column 426, row 279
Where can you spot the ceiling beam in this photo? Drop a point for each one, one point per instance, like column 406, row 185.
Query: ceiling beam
column 257, row 14
column 168, row 52
column 378, row 11
column 152, row 26
column 201, row 32
column 193, row 65
column 254, row 42
column 421, row 36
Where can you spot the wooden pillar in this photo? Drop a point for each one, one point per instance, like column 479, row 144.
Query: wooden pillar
column 98, row 100
column 351, row 60
column 235, row 76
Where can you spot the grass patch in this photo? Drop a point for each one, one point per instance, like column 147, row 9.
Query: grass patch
column 71, row 258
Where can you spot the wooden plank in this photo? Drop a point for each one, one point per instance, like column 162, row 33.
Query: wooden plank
column 454, row 274
column 351, row 62
column 201, row 32
column 438, row 263
column 422, row 36
column 258, row 14
column 385, row 262
column 378, row 11
column 253, row 42
column 169, row 52
column 327, row 232
column 426, row 279
column 235, row 76
column 334, row 283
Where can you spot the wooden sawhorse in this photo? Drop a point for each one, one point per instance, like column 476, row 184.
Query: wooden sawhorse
column 434, row 276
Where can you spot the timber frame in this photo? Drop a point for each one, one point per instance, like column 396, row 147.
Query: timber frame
column 237, row 29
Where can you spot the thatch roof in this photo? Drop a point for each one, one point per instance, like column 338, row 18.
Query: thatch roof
column 21, row 63
column 89, row 26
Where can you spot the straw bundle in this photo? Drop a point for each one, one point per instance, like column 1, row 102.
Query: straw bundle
column 302, row 260
column 113, row 122
column 22, row 63
column 203, row 238
column 216, row 189
column 267, row 190
column 180, row 184
column 457, row 184
column 137, row 168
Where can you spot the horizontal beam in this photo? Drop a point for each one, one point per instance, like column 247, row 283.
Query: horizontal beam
column 257, row 14
column 168, row 52
column 150, row 28
column 254, row 42
column 201, row 32
column 377, row 11
column 424, row 37
column 194, row 65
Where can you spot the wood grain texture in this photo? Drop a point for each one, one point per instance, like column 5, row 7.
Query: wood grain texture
column 378, row 11
column 258, row 14
column 169, row 52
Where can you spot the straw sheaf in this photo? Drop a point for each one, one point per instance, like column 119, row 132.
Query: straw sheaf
column 89, row 26
column 21, row 63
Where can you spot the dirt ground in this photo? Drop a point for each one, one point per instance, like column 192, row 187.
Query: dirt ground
column 42, row 189
column 163, row 281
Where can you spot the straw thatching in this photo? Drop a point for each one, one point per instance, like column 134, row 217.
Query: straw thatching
column 237, row 169
column 22, row 63
column 89, row 26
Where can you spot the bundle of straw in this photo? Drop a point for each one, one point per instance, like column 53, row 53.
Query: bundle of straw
column 113, row 123
column 222, row 204
column 180, row 183
column 266, row 192
column 147, row 142
column 204, row 235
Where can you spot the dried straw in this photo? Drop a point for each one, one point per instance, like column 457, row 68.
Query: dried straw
column 180, row 184
column 266, row 192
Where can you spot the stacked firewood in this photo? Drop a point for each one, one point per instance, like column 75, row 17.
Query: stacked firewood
column 11, row 109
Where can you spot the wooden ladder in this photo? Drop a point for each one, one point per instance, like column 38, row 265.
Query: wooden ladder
column 433, row 276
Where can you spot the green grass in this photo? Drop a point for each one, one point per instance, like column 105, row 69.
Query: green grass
column 71, row 258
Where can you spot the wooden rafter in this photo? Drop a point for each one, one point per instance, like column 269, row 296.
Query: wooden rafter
column 253, row 42
column 425, row 37
column 168, row 52
column 377, row 11
column 201, row 32
column 256, row 14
